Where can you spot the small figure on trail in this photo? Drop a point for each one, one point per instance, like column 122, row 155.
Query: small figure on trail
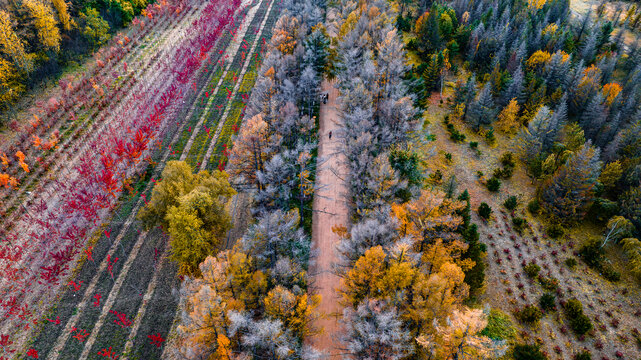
column 325, row 97
column 330, row 134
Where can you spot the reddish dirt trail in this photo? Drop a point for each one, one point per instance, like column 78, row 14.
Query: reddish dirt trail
column 330, row 209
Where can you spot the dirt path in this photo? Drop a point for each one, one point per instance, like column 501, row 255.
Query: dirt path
column 330, row 209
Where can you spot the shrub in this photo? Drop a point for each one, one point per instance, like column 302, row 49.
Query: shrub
column 485, row 211
column 548, row 283
column 547, row 302
column 448, row 157
column 507, row 160
column 511, row 203
column 437, row 176
column 592, row 254
column 583, row 355
column 530, row 314
column 528, row 352
column 499, row 326
column 489, row 137
column 581, row 325
column 474, row 145
column 456, row 136
column 519, row 223
column 579, row 322
column 534, row 207
column 503, row 173
column 479, row 174
column 603, row 209
column 412, row 45
column 532, row 269
column 570, row 262
column 609, row 273
column 573, row 308
column 493, row 184
column 555, row 231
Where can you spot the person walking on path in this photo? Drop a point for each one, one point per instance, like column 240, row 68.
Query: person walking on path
column 331, row 194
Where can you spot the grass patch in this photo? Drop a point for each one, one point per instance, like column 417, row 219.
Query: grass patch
column 499, row 326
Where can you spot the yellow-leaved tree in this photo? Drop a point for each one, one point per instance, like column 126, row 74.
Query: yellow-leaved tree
column 611, row 174
column 45, row 22
column 421, row 293
column 63, row 15
column 632, row 247
column 294, row 310
column 508, row 121
column 10, row 86
column 12, row 46
column 432, row 216
column 192, row 208
column 285, row 34
column 459, row 338
column 202, row 333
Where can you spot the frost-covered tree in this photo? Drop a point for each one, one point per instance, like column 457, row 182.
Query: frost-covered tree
column 285, row 177
column 556, row 69
column 482, row 111
column 541, row 133
column 377, row 229
column 310, row 85
column 263, row 338
column 594, row 116
column 588, row 51
column 375, row 332
column 276, row 235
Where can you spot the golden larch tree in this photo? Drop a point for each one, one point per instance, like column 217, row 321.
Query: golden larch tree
column 63, row 15
column 459, row 338
column 45, row 23
column 508, row 118
column 11, row 45
column 250, row 151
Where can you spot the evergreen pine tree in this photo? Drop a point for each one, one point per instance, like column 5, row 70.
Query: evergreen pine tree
column 475, row 276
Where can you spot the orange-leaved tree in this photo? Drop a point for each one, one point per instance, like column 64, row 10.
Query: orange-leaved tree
column 250, row 151
column 430, row 217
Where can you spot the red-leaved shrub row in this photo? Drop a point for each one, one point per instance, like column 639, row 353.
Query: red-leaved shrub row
column 37, row 254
